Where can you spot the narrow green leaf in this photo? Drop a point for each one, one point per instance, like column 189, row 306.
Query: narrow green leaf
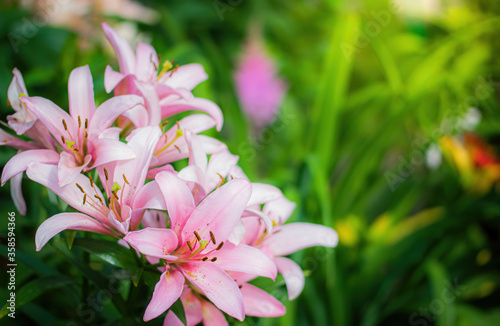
column 35, row 288
column 110, row 252
column 178, row 310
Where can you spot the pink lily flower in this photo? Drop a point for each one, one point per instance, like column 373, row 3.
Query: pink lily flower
column 284, row 240
column 83, row 136
column 115, row 213
column 23, row 119
column 167, row 91
column 195, row 248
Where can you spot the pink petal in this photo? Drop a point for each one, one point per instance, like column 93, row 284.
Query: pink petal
column 16, row 88
column 186, row 76
column 171, row 107
column 220, row 164
column 192, row 307
column 7, row 139
column 279, row 210
column 108, row 111
column 46, row 175
column 293, row 274
column 263, row 193
column 138, row 116
column 267, row 221
column 146, row 62
column 142, row 143
column 17, row 193
column 126, row 58
column 196, row 154
column 52, row 117
column 153, row 172
column 112, row 78
column 154, row 219
column 245, row 259
column 172, row 320
column 295, row 236
column 149, row 197
column 152, row 101
column 19, row 162
column 68, row 169
column 212, row 316
column 259, row 303
column 108, row 150
column 217, row 286
column 219, row 212
column 238, row 233
column 178, row 198
column 197, row 123
column 68, row 221
column 81, row 94
column 153, row 242
column 167, row 291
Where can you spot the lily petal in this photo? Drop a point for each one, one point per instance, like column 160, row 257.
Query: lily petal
column 296, row 236
column 68, row 221
column 245, row 259
column 219, row 212
column 112, row 78
column 170, row 107
column 172, row 320
column 211, row 315
column 153, row 242
column 81, row 93
column 126, row 57
column 217, row 286
column 167, row 291
column 279, row 210
column 108, row 111
column 178, row 198
column 259, row 303
column 110, row 150
column 52, row 117
column 68, row 170
column 146, row 62
column 263, row 193
column 293, row 274
column 149, row 197
column 19, row 162
column 46, row 175
column 186, row 76
column 17, row 193
column 192, row 307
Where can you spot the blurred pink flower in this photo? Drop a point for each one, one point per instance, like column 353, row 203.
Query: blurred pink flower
column 259, row 89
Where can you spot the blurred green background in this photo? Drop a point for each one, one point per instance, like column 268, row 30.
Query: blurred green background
column 372, row 84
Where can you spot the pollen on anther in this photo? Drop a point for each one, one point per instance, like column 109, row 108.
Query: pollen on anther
column 65, row 125
column 100, row 199
column 115, row 195
column 91, row 181
column 79, row 122
column 212, row 237
column 177, row 148
column 63, row 140
column 105, row 173
column 204, row 258
column 84, row 199
column 219, row 247
column 86, row 123
column 125, row 179
column 189, row 245
column 197, row 235
column 80, row 187
column 213, row 259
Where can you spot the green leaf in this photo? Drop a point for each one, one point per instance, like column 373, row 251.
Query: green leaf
column 110, row 252
column 69, row 235
column 178, row 309
column 35, row 288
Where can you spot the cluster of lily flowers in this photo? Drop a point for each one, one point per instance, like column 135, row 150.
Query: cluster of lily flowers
column 210, row 229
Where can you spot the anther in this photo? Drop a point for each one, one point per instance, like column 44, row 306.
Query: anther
column 79, row 122
column 84, row 199
column 177, row 148
column 204, row 258
column 86, row 123
column 213, row 259
column 105, row 173
column 124, row 178
column 91, row 181
column 65, row 125
column 63, row 140
column 115, row 195
column 100, row 199
column 189, row 245
column 197, row 235
column 212, row 237
column 80, row 187
column 219, row 247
